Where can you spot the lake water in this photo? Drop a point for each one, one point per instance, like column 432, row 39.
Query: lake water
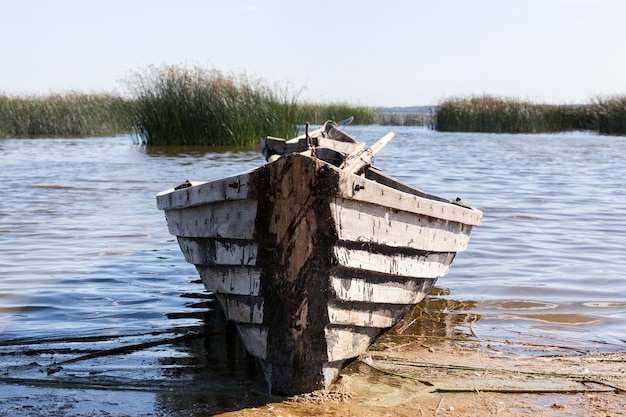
column 95, row 294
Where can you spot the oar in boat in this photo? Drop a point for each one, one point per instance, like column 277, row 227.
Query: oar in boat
column 358, row 160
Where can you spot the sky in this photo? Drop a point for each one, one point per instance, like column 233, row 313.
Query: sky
column 369, row 53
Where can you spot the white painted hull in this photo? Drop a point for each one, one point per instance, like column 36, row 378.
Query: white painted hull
column 313, row 263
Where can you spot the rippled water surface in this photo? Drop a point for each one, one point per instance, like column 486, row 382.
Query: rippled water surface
column 87, row 264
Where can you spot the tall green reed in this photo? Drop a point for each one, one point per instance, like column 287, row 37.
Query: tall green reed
column 70, row 114
column 610, row 114
column 198, row 106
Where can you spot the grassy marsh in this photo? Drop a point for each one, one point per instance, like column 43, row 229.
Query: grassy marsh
column 610, row 115
column 191, row 105
column 509, row 115
column 71, row 114
column 180, row 105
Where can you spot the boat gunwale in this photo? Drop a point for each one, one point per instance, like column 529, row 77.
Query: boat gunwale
column 351, row 186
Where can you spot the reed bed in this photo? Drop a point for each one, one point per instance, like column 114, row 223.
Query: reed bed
column 506, row 115
column 71, row 114
column 179, row 105
column 195, row 106
column 498, row 115
column 610, row 115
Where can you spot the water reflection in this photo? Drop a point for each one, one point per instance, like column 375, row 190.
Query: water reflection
column 202, row 369
column 218, row 374
column 438, row 318
column 572, row 326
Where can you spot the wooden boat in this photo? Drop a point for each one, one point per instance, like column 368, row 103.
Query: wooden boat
column 313, row 259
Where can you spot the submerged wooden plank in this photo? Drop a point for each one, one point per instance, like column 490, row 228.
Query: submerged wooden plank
column 206, row 251
column 365, row 222
column 228, row 219
column 237, row 280
column 418, row 265
column 407, row 291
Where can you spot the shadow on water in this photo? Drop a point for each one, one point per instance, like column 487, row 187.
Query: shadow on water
column 216, row 373
column 180, row 370
column 201, row 370
column 187, row 370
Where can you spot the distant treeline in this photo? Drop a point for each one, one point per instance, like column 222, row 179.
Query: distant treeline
column 320, row 113
column 505, row 115
column 192, row 105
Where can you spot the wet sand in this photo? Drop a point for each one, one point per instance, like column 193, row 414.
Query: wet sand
column 447, row 378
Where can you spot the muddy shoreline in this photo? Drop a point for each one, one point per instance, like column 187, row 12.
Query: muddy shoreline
column 450, row 378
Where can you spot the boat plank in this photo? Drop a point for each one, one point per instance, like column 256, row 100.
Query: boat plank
column 408, row 291
column 242, row 309
column 378, row 316
column 235, row 280
column 433, row 265
column 365, row 222
column 361, row 189
column 347, row 342
column 254, row 337
column 218, row 251
column 228, row 219
column 231, row 188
